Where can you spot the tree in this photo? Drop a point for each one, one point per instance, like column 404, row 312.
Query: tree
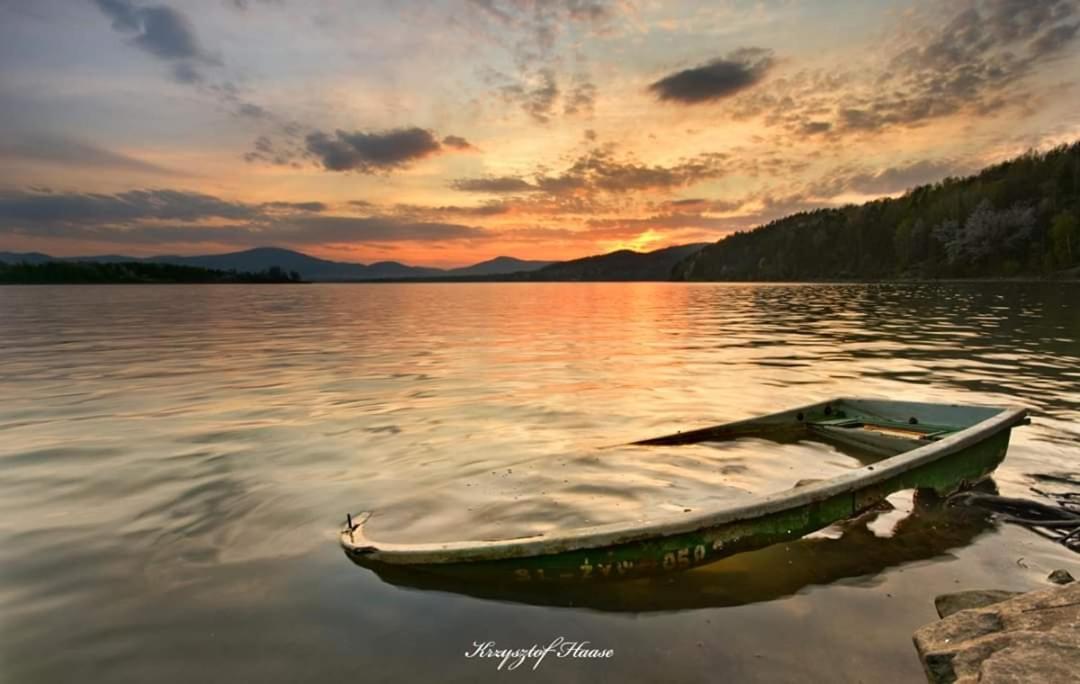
column 986, row 233
column 902, row 242
column 1065, row 238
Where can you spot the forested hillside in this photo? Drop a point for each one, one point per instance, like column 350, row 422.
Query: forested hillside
column 1020, row 217
column 623, row 264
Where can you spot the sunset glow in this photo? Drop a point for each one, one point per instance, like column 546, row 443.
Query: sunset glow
column 447, row 133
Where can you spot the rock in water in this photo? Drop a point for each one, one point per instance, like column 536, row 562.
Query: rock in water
column 1060, row 577
column 947, row 604
column 1028, row 638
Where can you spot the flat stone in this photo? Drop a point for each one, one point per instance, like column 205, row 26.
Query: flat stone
column 947, row 604
column 1029, row 637
column 1061, row 577
column 1056, row 661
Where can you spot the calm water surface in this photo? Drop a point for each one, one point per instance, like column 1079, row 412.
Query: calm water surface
column 175, row 462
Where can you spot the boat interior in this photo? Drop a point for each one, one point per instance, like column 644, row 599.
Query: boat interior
column 877, row 427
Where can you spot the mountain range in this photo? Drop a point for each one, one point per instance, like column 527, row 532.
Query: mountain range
column 309, row 267
column 619, row 265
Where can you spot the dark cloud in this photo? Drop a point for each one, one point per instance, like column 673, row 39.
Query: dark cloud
column 426, row 212
column 489, row 209
column 18, row 207
column 815, row 127
column 64, row 151
column 173, row 216
column 600, row 170
column 905, row 177
column 167, row 33
column 498, row 184
column 531, row 31
column 124, row 15
column 532, row 27
column 457, row 142
column 160, row 30
column 244, row 5
column 372, row 152
column 889, row 180
column 1054, row 39
column 539, row 94
column 595, row 182
column 233, row 98
column 298, row 232
column 581, row 99
column 589, row 10
column 672, row 221
column 538, row 101
column 994, row 34
column 828, row 189
column 717, row 79
column 492, row 8
column 974, row 60
column 263, row 146
column 315, row 207
column 769, row 163
column 774, row 206
column 545, row 234
column 186, row 72
column 599, row 182
column 163, row 32
column 318, row 229
column 253, row 111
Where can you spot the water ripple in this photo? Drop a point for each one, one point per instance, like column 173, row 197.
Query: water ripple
column 160, row 440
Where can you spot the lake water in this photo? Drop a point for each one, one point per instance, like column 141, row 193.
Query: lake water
column 176, row 461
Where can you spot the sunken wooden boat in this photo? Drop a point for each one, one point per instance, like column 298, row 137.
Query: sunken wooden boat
column 932, row 528
column 937, row 447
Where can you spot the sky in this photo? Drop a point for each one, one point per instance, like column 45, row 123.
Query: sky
column 447, row 133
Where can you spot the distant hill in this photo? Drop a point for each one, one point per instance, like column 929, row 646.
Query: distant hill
column 309, row 267
column 25, row 258
column 1018, row 218
column 623, row 264
column 498, row 265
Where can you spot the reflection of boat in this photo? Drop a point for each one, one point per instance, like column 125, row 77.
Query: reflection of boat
column 924, row 446
column 929, row 531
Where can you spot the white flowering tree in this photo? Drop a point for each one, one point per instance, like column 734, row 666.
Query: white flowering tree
column 985, row 233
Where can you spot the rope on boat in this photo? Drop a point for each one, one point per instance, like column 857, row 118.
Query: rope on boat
column 1059, row 522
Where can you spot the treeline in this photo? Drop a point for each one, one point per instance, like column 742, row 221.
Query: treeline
column 1018, row 218
column 76, row 272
